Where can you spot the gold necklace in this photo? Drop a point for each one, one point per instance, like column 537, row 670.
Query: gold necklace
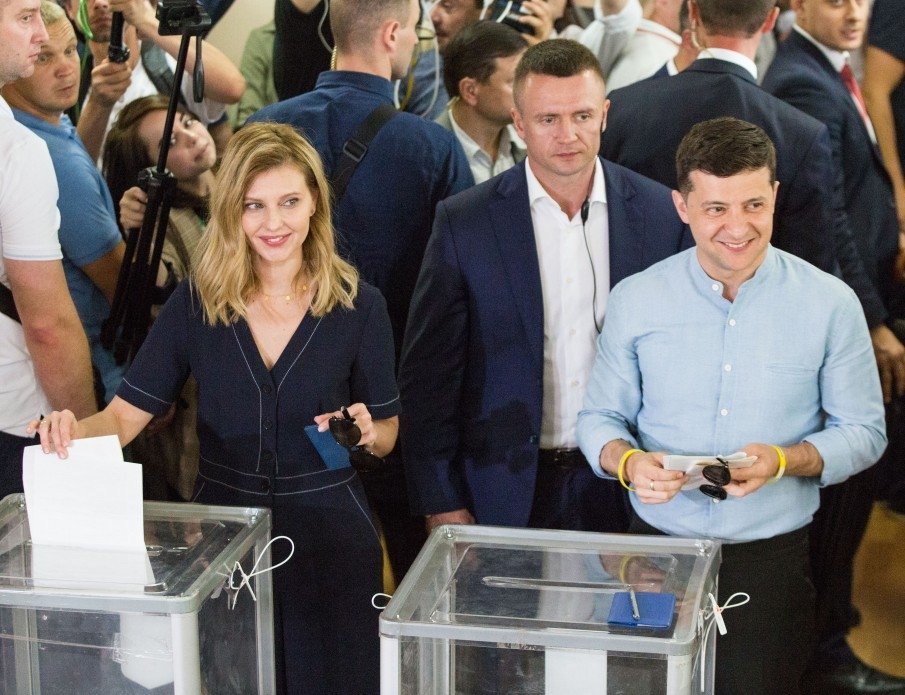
column 285, row 297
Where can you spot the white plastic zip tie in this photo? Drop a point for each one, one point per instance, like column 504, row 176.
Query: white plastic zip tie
column 380, row 595
column 246, row 578
column 708, row 616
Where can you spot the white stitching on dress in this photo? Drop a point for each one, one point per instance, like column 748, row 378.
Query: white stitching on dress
column 232, row 470
column 380, row 405
column 198, row 494
column 314, row 489
column 289, row 369
column 366, row 515
column 149, row 395
column 233, row 487
column 260, row 407
column 302, row 475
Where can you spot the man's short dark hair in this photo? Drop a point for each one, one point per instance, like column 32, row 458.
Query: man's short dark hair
column 734, row 17
column 723, row 147
column 474, row 50
column 557, row 58
column 355, row 22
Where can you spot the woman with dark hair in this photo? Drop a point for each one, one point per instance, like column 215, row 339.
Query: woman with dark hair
column 169, row 448
column 133, row 145
column 279, row 334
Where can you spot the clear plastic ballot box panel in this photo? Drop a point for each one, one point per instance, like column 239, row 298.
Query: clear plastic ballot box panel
column 86, row 622
column 488, row 610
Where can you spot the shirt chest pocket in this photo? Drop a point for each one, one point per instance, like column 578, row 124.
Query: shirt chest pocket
column 800, row 374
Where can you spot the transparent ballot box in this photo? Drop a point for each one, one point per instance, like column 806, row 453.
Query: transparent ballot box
column 172, row 620
column 487, row 611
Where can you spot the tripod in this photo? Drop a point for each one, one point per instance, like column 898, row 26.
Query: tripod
column 136, row 288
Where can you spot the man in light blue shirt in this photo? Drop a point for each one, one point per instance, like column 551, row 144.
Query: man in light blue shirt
column 737, row 346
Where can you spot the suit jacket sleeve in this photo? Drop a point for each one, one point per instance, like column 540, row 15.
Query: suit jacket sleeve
column 814, row 102
column 807, row 226
column 454, row 174
column 435, row 346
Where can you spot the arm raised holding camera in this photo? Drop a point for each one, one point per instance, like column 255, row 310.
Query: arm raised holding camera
column 537, row 14
column 223, row 81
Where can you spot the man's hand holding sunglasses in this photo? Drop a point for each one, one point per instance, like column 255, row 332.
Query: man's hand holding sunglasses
column 642, row 472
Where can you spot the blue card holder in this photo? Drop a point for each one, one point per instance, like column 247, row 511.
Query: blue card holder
column 655, row 610
column 332, row 454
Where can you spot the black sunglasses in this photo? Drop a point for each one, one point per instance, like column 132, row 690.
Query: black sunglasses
column 720, row 476
column 347, row 435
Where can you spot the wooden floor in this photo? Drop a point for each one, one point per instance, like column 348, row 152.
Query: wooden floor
column 879, row 593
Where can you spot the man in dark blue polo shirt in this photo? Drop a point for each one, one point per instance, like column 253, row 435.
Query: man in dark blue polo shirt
column 386, row 214
column 385, row 217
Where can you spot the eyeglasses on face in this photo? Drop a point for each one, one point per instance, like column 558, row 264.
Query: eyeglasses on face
column 347, row 434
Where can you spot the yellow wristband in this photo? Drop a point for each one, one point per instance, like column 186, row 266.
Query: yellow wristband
column 621, row 470
column 623, row 566
column 782, row 463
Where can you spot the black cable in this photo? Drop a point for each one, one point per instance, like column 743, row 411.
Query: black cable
column 585, row 213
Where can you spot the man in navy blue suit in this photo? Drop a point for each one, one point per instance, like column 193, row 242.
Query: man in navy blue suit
column 509, row 303
column 651, row 117
column 811, row 72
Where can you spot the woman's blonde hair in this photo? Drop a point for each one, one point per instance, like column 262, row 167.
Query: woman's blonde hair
column 223, row 268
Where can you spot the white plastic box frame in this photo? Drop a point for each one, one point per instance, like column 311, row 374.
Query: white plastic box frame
column 488, row 610
column 63, row 633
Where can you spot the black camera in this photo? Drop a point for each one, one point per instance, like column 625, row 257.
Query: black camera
column 177, row 16
column 506, row 11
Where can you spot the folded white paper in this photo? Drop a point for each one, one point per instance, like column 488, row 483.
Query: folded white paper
column 92, row 499
column 693, row 465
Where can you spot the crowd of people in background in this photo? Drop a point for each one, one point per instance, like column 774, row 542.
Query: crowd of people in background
column 528, row 247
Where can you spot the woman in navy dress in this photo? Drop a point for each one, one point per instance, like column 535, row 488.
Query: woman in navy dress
column 279, row 335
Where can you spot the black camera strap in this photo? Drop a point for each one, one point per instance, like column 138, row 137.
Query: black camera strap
column 356, row 147
column 8, row 304
column 154, row 61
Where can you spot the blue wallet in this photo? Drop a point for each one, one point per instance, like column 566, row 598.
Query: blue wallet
column 655, row 610
column 332, row 454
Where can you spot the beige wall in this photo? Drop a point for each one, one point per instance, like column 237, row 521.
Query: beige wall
column 231, row 32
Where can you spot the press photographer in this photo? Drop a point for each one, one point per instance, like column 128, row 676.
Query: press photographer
column 108, row 86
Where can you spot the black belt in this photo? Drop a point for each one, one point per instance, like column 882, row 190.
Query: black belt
column 568, row 459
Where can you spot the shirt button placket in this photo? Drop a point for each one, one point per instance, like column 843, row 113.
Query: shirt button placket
column 268, row 437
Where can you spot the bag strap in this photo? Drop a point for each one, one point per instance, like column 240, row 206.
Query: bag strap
column 154, row 61
column 356, row 147
column 8, row 304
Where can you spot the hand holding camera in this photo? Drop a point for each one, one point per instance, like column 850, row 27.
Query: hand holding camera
column 533, row 18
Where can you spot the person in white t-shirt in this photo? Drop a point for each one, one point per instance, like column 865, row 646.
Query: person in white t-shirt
column 44, row 358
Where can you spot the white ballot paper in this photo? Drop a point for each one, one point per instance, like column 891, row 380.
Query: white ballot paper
column 693, row 465
column 85, row 514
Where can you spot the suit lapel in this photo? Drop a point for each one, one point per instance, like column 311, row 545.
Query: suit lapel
column 510, row 215
column 626, row 225
column 802, row 44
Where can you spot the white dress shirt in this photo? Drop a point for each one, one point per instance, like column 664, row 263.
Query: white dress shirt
column 482, row 167
column 730, row 57
column 564, row 250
